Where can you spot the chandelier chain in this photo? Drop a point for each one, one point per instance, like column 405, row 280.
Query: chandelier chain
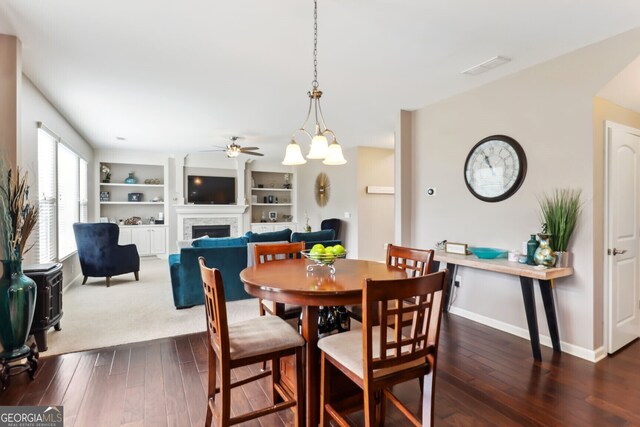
column 315, row 44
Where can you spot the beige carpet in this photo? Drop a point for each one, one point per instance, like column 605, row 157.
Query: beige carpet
column 96, row 316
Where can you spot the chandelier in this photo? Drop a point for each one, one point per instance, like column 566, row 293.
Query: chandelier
column 329, row 153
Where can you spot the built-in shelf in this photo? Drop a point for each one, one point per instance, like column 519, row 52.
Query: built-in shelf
column 116, row 184
column 271, row 189
column 131, row 203
column 272, row 185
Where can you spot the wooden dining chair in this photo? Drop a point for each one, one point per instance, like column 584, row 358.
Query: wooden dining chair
column 379, row 357
column 278, row 252
column 242, row 344
column 415, row 262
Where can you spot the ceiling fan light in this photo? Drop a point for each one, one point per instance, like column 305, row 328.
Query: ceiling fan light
column 334, row 155
column 293, row 155
column 319, row 147
column 233, row 153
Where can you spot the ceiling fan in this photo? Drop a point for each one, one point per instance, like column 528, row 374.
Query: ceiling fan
column 234, row 149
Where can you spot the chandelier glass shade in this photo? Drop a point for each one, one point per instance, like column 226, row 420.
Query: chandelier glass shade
column 322, row 147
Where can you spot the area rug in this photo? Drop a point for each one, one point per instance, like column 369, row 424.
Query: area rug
column 128, row 311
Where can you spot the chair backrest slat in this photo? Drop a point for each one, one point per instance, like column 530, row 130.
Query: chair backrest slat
column 277, row 252
column 215, row 308
column 422, row 297
column 416, row 262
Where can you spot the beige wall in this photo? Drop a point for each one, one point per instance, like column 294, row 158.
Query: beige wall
column 10, row 80
column 342, row 198
column 403, row 197
column 375, row 211
column 549, row 110
column 34, row 108
column 603, row 110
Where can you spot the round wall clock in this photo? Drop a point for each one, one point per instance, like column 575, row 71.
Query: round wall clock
column 495, row 168
column 322, row 189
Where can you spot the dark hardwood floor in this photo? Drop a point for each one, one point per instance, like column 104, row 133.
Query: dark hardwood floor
column 484, row 377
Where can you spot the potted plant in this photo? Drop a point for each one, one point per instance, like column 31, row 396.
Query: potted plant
column 560, row 212
column 18, row 218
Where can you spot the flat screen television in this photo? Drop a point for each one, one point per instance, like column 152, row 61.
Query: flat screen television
column 211, row 190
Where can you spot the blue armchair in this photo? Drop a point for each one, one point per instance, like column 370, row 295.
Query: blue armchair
column 99, row 252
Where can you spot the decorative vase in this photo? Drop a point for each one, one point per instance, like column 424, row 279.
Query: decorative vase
column 17, row 307
column 544, row 254
column 562, row 259
column 131, row 179
column 532, row 245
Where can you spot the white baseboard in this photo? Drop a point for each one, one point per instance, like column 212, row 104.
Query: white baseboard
column 78, row 278
column 574, row 350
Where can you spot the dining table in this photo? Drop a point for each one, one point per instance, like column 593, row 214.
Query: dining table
column 301, row 282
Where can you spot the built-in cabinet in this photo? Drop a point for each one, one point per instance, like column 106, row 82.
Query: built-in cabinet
column 272, row 201
column 150, row 240
column 266, row 228
column 146, row 199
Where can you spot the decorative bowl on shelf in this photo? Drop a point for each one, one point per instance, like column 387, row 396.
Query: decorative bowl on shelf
column 322, row 259
column 488, row 253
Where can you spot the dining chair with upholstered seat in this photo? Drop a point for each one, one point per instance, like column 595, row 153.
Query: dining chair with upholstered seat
column 415, row 262
column 379, row 357
column 242, row 344
column 276, row 252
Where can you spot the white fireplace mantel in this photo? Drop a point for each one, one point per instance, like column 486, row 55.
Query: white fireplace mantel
column 210, row 209
column 189, row 215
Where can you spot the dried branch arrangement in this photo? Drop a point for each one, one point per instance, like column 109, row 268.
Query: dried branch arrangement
column 18, row 217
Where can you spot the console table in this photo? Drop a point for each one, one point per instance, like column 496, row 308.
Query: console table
column 526, row 273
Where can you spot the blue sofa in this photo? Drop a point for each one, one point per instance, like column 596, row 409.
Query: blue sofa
column 229, row 255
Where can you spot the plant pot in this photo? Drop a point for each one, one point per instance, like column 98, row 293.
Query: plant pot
column 562, row 259
column 544, row 254
column 17, row 307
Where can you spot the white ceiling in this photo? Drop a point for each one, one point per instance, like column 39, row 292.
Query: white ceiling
column 182, row 76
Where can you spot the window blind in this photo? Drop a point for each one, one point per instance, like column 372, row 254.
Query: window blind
column 47, row 195
column 68, row 199
column 83, row 191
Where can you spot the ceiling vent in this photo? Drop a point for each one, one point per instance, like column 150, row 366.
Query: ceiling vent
column 487, row 65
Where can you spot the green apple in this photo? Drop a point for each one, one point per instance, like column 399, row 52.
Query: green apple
column 338, row 250
column 328, row 253
column 318, row 247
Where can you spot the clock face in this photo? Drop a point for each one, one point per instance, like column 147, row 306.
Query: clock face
column 495, row 168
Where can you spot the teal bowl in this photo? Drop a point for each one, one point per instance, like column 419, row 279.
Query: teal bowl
column 488, row 253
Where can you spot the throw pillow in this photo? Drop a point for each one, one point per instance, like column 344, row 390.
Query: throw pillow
column 313, row 236
column 272, row 236
column 220, row 242
column 189, row 242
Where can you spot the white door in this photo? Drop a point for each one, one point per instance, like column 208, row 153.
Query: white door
column 623, row 153
column 158, row 240
column 141, row 238
column 124, row 237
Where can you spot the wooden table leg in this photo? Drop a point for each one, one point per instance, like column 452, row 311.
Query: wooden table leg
column 530, row 309
column 312, row 364
column 550, row 311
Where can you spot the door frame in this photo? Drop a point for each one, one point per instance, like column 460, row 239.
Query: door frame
column 608, row 126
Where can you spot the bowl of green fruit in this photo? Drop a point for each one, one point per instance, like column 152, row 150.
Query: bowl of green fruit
column 324, row 256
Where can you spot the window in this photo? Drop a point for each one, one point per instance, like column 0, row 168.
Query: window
column 62, row 184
